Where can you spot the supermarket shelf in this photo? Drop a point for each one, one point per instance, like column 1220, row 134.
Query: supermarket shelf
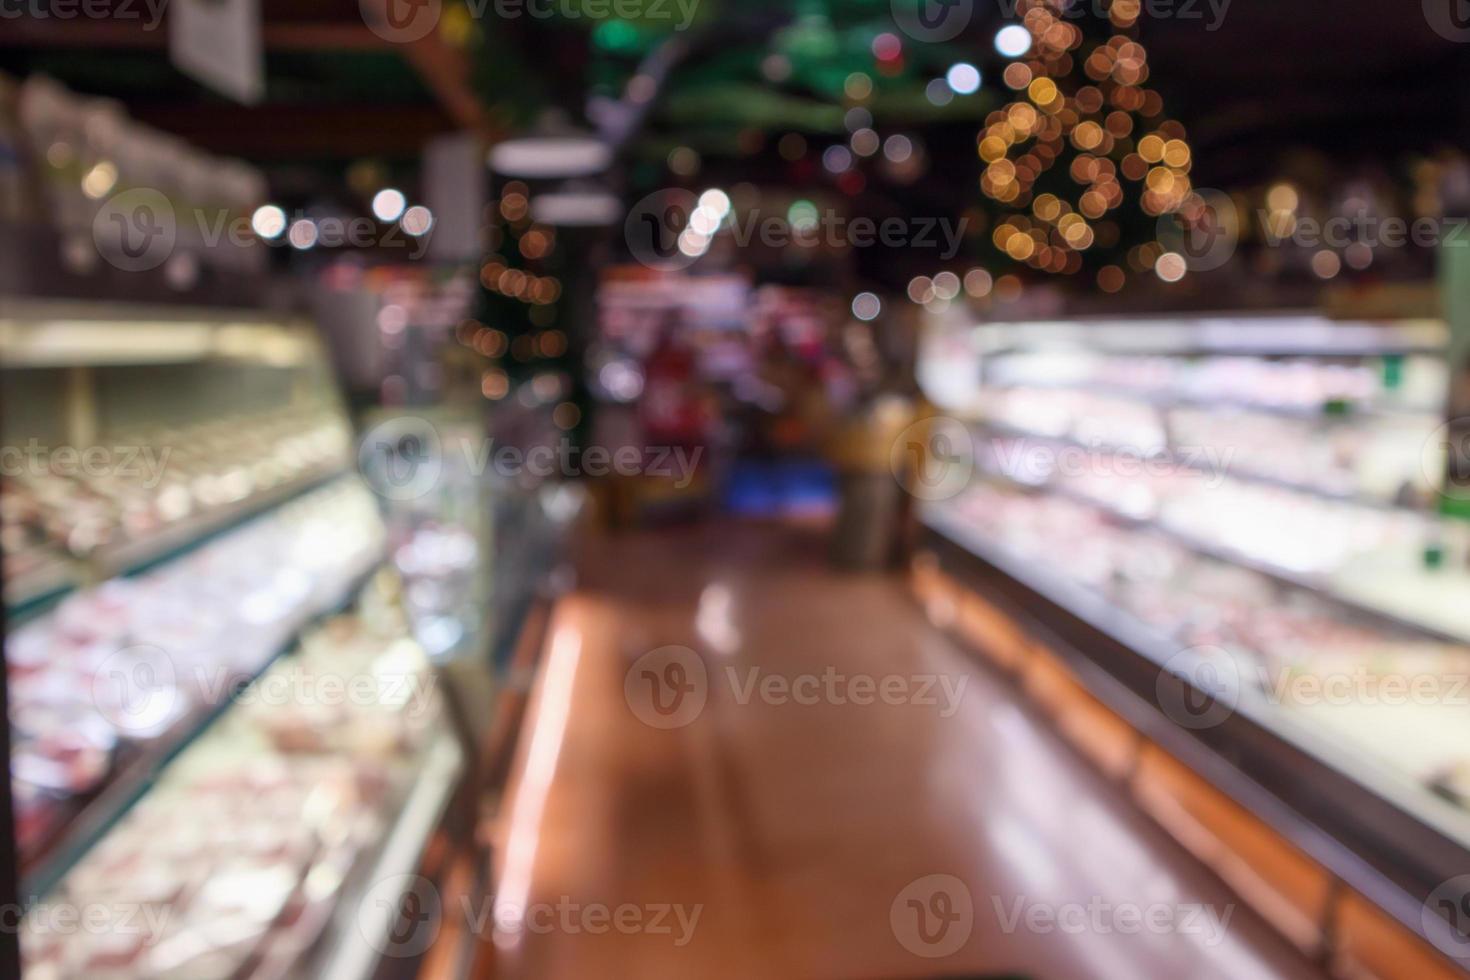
column 1387, row 839
column 1315, row 584
column 37, row 588
column 1319, row 586
column 58, row 334
column 32, row 594
column 1157, row 647
column 186, row 535
column 43, row 869
column 1232, row 472
column 349, row 953
column 1258, row 334
column 1327, row 412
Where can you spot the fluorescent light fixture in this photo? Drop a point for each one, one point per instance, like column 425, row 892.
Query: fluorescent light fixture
column 551, row 156
column 577, row 208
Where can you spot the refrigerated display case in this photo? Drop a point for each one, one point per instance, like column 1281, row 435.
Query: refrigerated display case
column 1214, row 549
column 221, row 711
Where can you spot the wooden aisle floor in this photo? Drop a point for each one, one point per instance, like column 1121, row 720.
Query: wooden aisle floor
column 756, row 836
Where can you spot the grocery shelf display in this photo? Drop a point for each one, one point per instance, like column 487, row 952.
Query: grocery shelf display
column 86, row 500
column 1233, row 541
column 256, row 831
column 225, row 706
column 190, row 629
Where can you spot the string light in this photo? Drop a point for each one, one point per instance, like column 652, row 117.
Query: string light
column 1013, row 40
column 887, row 47
column 1088, row 120
column 716, row 202
column 836, row 158
column 303, row 234
column 268, row 221
column 963, row 78
column 898, row 148
column 946, row 285
column 978, row 283
column 938, row 92
column 866, row 306
column 417, row 221
column 100, row 180
column 388, row 204
column 1171, row 267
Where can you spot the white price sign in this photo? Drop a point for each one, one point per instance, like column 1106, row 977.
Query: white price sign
column 218, row 42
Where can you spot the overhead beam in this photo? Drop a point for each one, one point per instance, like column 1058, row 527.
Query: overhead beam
column 446, row 71
column 288, row 132
column 138, row 35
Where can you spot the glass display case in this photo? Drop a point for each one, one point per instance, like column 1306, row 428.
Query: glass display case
column 476, row 553
column 1235, row 532
column 221, row 713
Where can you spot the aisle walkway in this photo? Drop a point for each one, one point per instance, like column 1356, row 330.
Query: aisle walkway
column 762, row 837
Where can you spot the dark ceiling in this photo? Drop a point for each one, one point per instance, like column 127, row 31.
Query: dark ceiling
column 1358, row 80
column 1351, row 85
column 335, row 91
column 1351, row 81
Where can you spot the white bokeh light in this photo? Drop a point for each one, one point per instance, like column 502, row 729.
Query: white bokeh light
column 963, row 77
column 417, row 220
column 268, row 221
column 388, row 204
column 716, row 202
column 303, row 234
column 866, row 306
column 1013, row 40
